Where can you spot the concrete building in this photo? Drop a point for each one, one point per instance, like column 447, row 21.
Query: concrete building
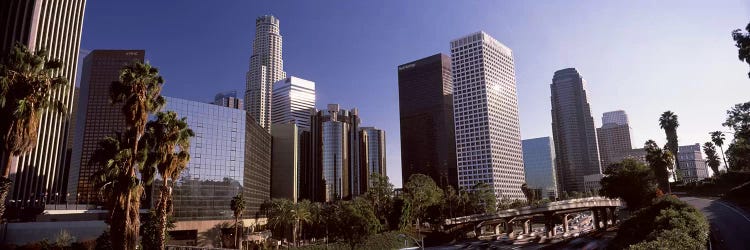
column 573, row 129
column 488, row 135
column 428, row 140
column 228, row 99
column 692, row 165
column 539, row 165
column 613, row 136
column 285, row 161
column 266, row 68
column 55, row 26
column 371, row 154
column 293, row 98
column 335, row 170
column 98, row 117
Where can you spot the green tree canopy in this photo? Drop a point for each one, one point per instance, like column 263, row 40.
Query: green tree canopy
column 421, row 192
column 738, row 152
column 660, row 161
column 712, row 158
column 630, row 180
column 482, row 198
column 742, row 41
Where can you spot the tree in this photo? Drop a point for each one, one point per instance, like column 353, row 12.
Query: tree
column 712, row 159
column 237, row 205
column 380, row 194
column 168, row 140
column 630, row 180
column 357, row 221
column 717, row 137
column 482, row 198
column 138, row 89
column 284, row 214
column 152, row 236
column 742, row 41
column 421, row 192
column 27, row 83
column 738, row 118
column 668, row 122
column 661, row 162
column 531, row 195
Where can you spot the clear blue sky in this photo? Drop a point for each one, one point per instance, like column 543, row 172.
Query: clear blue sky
column 641, row 56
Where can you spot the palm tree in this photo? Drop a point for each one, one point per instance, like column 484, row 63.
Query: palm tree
column 712, row 159
column 661, row 162
column 139, row 90
column 168, row 140
column 237, row 205
column 668, row 122
column 717, row 137
column 301, row 214
column 26, row 88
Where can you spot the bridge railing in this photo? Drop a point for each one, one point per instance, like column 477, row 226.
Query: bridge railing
column 529, row 210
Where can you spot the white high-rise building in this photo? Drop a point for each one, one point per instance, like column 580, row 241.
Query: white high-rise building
column 488, row 135
column 293, row 98
column 618, row 117
column 266, row 67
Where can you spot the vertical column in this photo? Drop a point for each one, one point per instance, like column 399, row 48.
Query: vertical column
column 497, row 228
column 565, row 223
column 595, row 218
column 526, row 226
column 604, row 218
column 549, row 226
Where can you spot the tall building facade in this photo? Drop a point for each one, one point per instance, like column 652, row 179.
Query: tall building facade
column 371, row 154
column 266, row 68
column 539, row 163
column 428, row 139
column 98, row 117
column 692, row 165
column 488, row 134
column 573, row 129
column 285, row 161
column 257, row 182
column 216, row 169
column 293, row 98
column 55, row 26
column 335, row 172
column 613, row 136
column 228, row 99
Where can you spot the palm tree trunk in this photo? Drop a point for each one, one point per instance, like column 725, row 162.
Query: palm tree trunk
column 236, row 231
column 161, row 215
column 6, row 183
column 724, row 157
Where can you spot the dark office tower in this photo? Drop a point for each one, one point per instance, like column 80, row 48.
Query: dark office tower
column 573, row 130
column 613, row 137
column 97, row 116
column 228, row 99
column 335, row 172
column 428, row 142
column 54, row 25
column 371, row 154
column 257, row 181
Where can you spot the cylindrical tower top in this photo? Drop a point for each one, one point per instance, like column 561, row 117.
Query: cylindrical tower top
column 267, row 19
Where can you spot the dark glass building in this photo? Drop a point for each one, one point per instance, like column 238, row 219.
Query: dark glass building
column 428, row 141
column 257, row 181
column 97, row 117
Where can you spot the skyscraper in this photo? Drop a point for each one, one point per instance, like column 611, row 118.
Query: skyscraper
column 371, row 154
column 55, row 26
column 98, row 117
column 293, row 98
column 573, row 130
column 228, row 99
column 257, row 176
column 285, row 161
column 539, row 163
column 335, row 170
column 613, row 137
column 266, row 67
column 428, row 139
column 488, row 135
column 692, row 165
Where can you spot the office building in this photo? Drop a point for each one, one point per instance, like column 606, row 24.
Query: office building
column 613, row 136
column 216, row 169
column 485, row 102
column 293, row 98
column 592, row 183
column 371, row 154
column 693, row 167
column 98, row 117
column 428, row 139
column 56, row 27
column 574, row 132
column 257, row 182
column 228, row 99
column 539, row 165
column 266, row 68
column 638, row 154
column 285, row 161
column 335, row 170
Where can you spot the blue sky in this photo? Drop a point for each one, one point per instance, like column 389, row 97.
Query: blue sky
column 644, row 57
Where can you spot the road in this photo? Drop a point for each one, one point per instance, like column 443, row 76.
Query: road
column 730, row 226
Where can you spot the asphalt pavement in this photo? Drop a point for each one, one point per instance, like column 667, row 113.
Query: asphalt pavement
column 730, row 226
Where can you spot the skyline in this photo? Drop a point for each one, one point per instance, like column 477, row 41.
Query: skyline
column 346, row 60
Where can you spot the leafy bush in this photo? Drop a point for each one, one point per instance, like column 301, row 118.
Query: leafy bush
column 668, row 223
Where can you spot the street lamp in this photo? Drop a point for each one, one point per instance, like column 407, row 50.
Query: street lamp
column 421, row 246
